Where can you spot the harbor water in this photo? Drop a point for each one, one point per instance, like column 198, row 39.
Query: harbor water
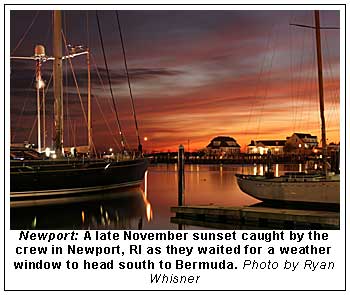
column 149, row 206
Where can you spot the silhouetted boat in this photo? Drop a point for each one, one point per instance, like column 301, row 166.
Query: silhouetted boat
column 35, row 179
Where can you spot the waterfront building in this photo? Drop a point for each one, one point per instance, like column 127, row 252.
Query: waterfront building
column 223, row 146
column 262, row 146
column 303, row 143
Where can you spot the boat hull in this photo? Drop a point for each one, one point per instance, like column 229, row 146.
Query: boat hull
column 292, row 191
column 53, row 181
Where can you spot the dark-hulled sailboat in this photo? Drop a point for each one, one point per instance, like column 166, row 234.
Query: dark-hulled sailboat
column 35, row 180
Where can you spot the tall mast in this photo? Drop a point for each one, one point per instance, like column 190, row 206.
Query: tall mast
column 57, row 83
column 38, row 80
column 320, row 87
column 44, row 119
column 89, row 102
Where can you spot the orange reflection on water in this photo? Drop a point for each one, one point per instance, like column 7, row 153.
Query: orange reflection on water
column 149, row 213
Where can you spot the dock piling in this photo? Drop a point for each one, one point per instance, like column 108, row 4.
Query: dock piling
column 181, row 175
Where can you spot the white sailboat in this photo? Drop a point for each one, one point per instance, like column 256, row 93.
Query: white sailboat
column 318, row 189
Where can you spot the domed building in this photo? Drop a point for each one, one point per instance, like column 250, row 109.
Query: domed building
column 223, row 145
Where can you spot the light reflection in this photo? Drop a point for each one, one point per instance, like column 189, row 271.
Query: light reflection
column 300, row 168
column 149, row 213
column 148, row 207
column 146, row 182
column 261, row 170
column 221, row 169
column 124, row 210
column 40, row 84
column 34, row 223
column 197, row 169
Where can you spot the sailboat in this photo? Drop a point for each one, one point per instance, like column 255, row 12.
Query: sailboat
column 299, row 188
column 35, row 180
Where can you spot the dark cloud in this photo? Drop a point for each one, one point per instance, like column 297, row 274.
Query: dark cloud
column 195, row 74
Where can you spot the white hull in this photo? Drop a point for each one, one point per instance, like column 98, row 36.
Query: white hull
column 322, row 191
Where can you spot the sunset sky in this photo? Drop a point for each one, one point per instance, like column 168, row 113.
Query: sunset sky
column 195, row 75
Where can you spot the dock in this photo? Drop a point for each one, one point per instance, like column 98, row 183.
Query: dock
column 254, row 217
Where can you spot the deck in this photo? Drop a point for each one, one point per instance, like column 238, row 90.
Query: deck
column 254, row 217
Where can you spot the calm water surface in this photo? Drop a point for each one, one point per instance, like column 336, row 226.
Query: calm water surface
column 149, row 207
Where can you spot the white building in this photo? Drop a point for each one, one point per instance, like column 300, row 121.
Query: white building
column 262, row 146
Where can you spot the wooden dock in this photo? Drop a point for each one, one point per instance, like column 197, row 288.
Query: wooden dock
column 254, row 217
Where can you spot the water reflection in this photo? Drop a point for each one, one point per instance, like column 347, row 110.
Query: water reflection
column 149, row 207
column 111, row 210
column 261, row 170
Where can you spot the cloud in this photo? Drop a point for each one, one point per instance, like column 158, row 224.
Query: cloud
column 198, row 74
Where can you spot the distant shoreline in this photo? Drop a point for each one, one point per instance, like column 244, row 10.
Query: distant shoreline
column 301, row 160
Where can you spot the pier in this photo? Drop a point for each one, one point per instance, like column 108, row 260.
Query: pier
column 253, row 217
column 241, row 158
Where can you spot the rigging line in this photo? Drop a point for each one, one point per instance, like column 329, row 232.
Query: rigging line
column 257, row 84
column 22, row 111
column 66, row 94
column 44, row 116
column 304, row 86
column 25, row 33
column 128, row 78
column 291, row 77
column 313, row 86
column 106, row 122
column 88, row 46
column 110, row 83
column 27, row 96
column 309, row 92
column 87, row 29
column 98, row 104
column 334, row 110
column 34, row 124
column 76, row 82
column 75, row 79
column 293, row 69
column 74, row 76
column 268, row 78
column 41, row 104
column 298, row 81
column 31, row 131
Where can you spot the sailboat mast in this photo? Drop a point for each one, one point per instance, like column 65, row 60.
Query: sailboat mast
column 320, row 87
column 38, row 79
column 57, row 83
column 89, row 102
